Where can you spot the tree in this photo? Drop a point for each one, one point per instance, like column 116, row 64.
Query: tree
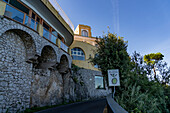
column 152, row 60
column 111, row 54
column 136, row 93
column 164, row 73
column 139, row 94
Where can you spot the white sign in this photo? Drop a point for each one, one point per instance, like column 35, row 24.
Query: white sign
column 113, row 77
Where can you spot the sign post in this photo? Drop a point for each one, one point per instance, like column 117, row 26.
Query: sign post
column 113, row 78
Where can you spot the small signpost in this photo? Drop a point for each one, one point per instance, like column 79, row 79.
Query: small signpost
column 113, row 78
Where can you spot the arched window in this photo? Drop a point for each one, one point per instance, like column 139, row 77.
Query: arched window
column 77, row 54
column 84, row 33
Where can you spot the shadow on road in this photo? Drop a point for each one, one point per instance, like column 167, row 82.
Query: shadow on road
column 95, row 106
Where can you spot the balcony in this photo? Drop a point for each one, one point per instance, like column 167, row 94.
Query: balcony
column 51, row 37
column 20, row 17
column 17, row 15
column 64, row 47
column 54, row 16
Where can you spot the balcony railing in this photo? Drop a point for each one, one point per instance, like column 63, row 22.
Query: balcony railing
column 15, row 14
column 31, row 23
column 62, row 13
column 64, row 47
column 46, row 33
column 53, row 38
column 21, row 17
column 49, row 36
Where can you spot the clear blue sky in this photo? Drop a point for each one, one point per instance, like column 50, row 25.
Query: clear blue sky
column 145, row 24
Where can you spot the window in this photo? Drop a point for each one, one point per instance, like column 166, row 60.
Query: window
column 33, row 16
column 96, row 66
column 84, row 33
column 61, row 38
column 77, row 54
column 99, row 82
column 6, row 1
column 96, row 45
column 46, row 26
column 17, row 4
column 38, row 19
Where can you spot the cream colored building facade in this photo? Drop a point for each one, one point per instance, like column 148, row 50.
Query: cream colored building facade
column 83, row 47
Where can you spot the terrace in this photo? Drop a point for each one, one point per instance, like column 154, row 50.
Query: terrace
column 58, row 33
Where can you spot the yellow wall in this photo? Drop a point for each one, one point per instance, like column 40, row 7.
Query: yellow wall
column 91, row 40
column 2, row 7
column 40, row 30
column 88, row 50
column 80, row 27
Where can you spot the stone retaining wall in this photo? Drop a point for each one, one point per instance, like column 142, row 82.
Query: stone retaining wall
column 22, row 50
column 35, row 72
column 85, row 86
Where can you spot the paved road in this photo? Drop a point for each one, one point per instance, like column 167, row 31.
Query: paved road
column 96, row 106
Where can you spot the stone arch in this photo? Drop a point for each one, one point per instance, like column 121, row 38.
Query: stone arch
column 45, row 44
column 63, row 66
column 23, row 29
column 29, row 44
column 16, row 72
column 48, row 58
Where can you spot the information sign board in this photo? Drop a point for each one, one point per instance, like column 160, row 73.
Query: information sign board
column 113, row 77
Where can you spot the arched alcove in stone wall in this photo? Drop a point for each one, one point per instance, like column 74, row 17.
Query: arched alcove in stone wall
column 47, row 85
column 68, row 85
column 48, row 58
column 15, row 71
column 29, row 45
column 63, row 66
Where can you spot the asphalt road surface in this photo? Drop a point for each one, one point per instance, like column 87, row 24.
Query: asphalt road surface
column 96, row 106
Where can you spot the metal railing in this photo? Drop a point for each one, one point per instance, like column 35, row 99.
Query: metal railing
column 62, row 13
column 114, row 107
